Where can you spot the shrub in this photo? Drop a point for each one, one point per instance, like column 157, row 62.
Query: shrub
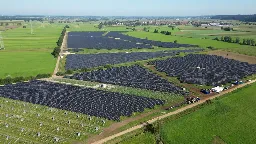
column 39, row 76
column 108, row 66
column 56, row 52
column 69, row 72
column 60, row 74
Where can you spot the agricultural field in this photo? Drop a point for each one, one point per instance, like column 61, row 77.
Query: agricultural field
column 27, row 54
column 203, row 43
column 212, row 123
column 25, row 63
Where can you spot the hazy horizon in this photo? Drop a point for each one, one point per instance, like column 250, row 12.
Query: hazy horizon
column 127, row 8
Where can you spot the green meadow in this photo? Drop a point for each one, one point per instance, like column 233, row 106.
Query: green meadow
column 229, row 119
column 243, row 49
column 27, row 54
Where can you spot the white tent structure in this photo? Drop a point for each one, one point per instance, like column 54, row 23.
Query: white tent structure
column 218, row 89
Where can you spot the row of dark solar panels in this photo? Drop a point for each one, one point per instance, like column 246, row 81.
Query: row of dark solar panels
column 146, row 41
column 88, row 101
column 205, row 69
column 80, row 61
column 102, row 43
column 114, row 40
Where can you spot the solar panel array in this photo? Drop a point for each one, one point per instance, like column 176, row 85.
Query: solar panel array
column 82, row 100
column 205, row 69
column 114, row 40
column 80, row 61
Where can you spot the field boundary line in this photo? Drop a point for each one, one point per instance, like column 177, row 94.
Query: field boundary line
column 170, row 114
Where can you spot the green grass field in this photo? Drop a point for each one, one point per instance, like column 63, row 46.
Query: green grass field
column 229, row 119
column 25, row 63
column 26, row 54
column 232, row 118
column 243, row 49
column 143, row 138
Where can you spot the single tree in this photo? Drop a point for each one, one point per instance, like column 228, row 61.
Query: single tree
column 252, row 42
column 237, row 40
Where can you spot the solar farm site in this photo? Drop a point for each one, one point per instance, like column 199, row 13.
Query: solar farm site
column 92, row 82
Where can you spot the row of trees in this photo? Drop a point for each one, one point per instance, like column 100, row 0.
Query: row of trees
column 163, row 32
column 100, row 26
column 227, row 28
column 9, row 80
column 166, row 33
column 245, row 18
column 229, row 39
column 56, row 50
column 172, row 27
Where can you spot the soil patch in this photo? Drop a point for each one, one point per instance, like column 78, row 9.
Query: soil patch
column 235, row 56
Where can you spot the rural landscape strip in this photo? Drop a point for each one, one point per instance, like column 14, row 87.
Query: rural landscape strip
column 169, row 114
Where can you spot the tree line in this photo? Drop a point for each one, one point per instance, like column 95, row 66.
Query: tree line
column 9, row 80
column 244, row 18
column 56, row 50
column 244, row 41
column 163, row 32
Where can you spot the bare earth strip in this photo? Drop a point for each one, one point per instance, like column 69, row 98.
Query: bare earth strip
column 169, row 114
column 235, row 56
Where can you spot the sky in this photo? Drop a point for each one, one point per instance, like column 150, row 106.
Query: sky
column 127, row 7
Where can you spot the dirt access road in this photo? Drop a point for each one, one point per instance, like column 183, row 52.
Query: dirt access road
column 235, row 56
column 169, row 114
column 62, row 48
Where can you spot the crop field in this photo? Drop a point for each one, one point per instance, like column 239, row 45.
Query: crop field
column 80, row 61
column 26, row 54
column 205, row 69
